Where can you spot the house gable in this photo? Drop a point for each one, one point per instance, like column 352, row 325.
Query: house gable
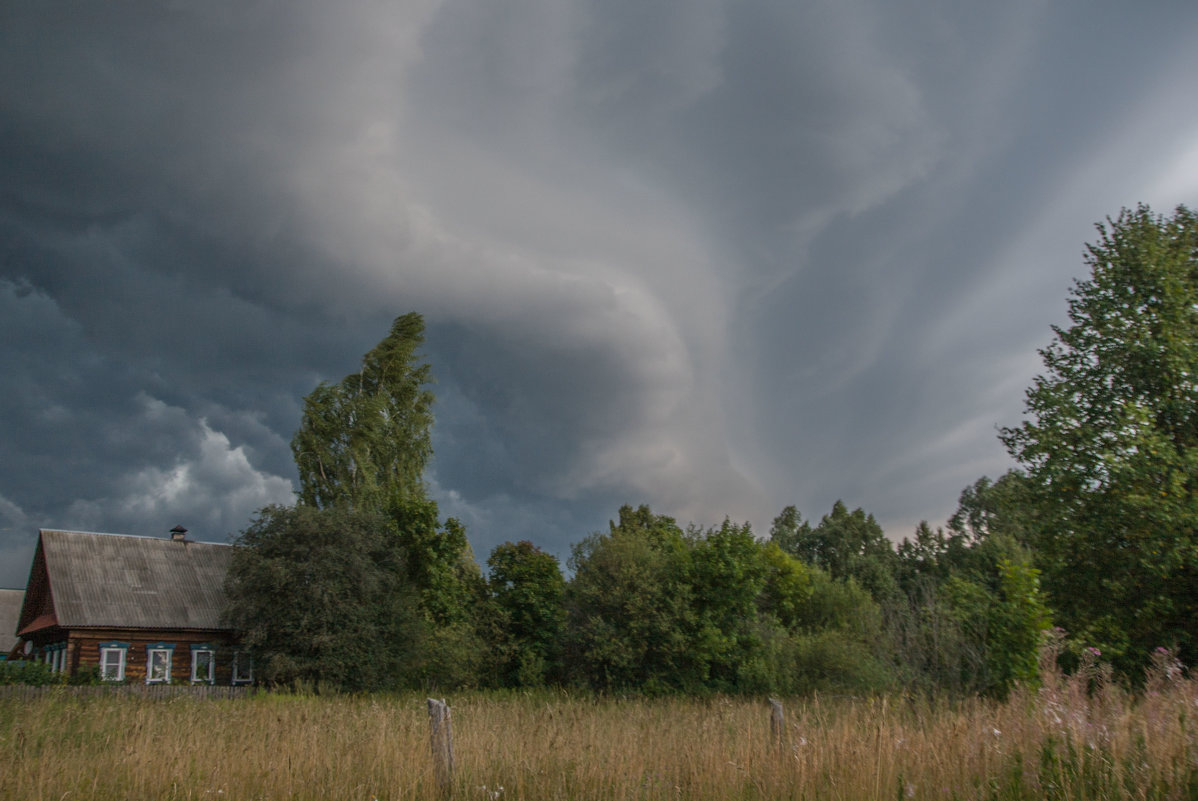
column 37, row 609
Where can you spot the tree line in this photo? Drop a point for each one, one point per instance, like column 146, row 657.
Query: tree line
column 361, row 585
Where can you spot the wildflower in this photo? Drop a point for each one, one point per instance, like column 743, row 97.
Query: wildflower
column 909, row 790
column 1092, row 651
column 996, row 732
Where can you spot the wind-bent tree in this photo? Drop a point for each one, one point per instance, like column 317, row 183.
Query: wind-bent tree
column 364, row 442
column 1110, row 448
column 321, row 587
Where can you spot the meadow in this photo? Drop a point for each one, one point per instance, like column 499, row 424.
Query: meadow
column 1074, row 738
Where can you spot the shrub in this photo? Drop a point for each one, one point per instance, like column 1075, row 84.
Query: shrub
column 33, row 674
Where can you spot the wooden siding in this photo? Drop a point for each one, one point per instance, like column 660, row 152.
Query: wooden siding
column 83, row 649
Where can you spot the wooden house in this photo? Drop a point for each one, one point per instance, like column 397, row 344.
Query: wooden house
column 140, row 609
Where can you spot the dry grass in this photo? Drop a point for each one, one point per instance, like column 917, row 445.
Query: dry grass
column 1059, row 743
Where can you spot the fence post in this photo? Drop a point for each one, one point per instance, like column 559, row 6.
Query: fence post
column 442, row 743
column 777, row 724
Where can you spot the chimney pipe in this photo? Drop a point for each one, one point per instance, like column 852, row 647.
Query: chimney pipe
column 178, row 533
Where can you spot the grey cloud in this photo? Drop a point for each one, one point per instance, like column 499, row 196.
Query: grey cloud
column 718, row 257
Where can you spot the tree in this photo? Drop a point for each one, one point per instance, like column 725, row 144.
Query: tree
column 790, row 531
column 1003, row 618
column 316, row 595
column 787, row 586
column 439, row 562
column 630, row 608
column 973, row 614
column 1110, row 448
column 833, row 642
column 727, row 574
column 528, row 613
column 654, row 609
column 365, row 441
column 846, row 544
column 363, row 445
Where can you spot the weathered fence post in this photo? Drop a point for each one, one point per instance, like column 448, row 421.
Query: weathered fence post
column 442, row 743
column 777, row 724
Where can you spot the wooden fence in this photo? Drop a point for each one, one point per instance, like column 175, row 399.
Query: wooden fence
column 25, row 693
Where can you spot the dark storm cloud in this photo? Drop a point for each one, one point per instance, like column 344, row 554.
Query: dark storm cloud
column 714, row 256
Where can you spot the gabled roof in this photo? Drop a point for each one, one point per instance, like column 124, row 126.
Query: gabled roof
column 117, row 581
column 10, row 612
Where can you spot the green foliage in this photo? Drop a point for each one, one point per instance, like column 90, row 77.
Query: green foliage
column 1020, row 619
column 833, row 644
column 439, row 564
column 365, row 441
column 658, row 610
column 1005, row 623
column 827, row 661
column 846, row 544
column 929, row 648
column 839, row 605
column 799, row 663
column 973, row 615
column 445, row 657
column 630, row 607
column 1111, row 447
column 527, row 614
column 28, row 672
column 727, row 574
column 788, row 586
column 790, row 531
column 361, row 586
column 319, row 595
column 85, row 675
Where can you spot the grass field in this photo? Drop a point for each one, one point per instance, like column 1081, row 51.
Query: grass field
column 1058, row 743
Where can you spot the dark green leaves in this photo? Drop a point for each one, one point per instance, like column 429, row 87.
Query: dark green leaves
column 314, row 595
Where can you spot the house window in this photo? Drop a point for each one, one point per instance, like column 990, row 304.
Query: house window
column 56, row 656
column 112, row 660
column 203, row 664
column 243, row 668
column 158, row 662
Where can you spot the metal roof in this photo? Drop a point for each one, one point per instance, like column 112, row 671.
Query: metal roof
column 117, row 581
column 10, row 613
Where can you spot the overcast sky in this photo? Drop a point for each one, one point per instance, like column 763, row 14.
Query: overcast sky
column 717, row 256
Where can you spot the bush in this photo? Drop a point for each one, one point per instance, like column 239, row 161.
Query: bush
column 33, row 674
column 86, row 675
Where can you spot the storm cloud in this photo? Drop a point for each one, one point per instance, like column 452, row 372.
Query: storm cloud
column 718, row 257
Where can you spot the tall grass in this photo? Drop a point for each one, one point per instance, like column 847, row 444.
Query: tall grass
column 1076, row 738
